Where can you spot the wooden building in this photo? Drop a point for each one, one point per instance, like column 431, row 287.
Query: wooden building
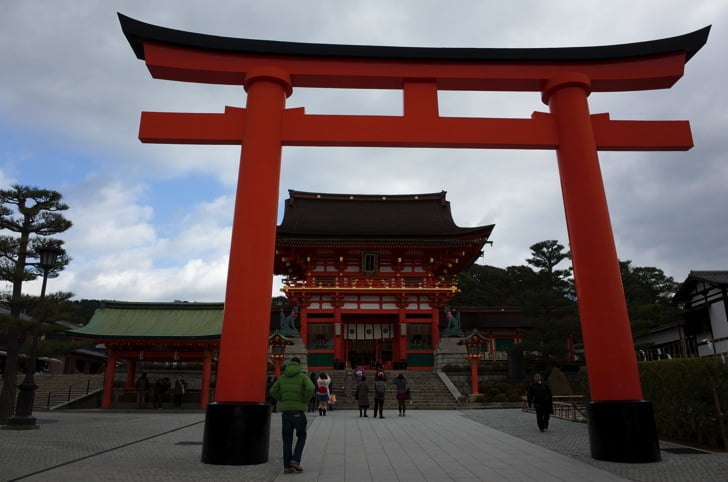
column 369, row 274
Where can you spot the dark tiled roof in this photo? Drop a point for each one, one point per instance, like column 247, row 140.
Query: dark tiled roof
column 718, row 278
column 368, row 216
column 715, row 277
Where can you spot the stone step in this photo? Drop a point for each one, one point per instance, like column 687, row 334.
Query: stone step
column 428, row 391
column 62, row 388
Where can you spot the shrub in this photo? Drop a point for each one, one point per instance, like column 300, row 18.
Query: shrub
column 500, row 397
column 502, row 386
column 686, row 395
column 482, row 399
column 514, row 395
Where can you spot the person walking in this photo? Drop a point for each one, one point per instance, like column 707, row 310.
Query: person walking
column 362, row 396
column 539, row 395
column 293, row 390
column 142, row 387
column 323, row 393
column 401, row 383
column 157, row 393
column 180, row 387
column 380, row 389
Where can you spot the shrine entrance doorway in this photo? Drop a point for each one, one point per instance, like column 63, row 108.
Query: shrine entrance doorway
column 366, row 353
column 369, row 343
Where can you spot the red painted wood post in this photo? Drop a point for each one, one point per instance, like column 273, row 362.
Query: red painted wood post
column 277, row 368
column 607, row 335
column 130, row 373
column 206, row 377
column 338, row 335
column 109, row 380
column 242, row 361
column 401, row 336
column 435, row 327
column 303, row 317
column 474, row 375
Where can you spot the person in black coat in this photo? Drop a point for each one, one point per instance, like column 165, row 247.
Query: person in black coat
column 539, row 396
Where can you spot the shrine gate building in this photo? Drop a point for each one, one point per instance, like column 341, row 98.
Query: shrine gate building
column 369, row 274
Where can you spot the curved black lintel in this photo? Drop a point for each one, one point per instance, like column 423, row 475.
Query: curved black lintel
column 137, row 32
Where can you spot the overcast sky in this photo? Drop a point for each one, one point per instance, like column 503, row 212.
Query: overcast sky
column 153, row 222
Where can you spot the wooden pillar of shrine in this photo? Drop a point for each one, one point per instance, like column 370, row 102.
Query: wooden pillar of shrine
column 206, row 377
column 109, row 379
column 304, row 325
column 435, row 326
column 401, row 335
column 619, row 420
column 244, row 340
column 130, row 373
column 338, row 336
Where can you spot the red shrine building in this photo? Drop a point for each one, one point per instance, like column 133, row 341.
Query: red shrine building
column 368, row 275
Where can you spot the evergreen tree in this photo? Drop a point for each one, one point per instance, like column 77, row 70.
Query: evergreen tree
column 648, row 292
column 32, row 215
column 550, row 301
column 55, row 342
column 488, row 286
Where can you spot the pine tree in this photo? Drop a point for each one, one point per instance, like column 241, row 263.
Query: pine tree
column 33, row 216
column 550, row 301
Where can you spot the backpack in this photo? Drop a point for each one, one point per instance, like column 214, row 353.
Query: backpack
column 321, row 389
column 380, row 386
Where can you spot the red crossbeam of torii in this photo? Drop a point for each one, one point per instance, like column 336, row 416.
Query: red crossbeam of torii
column 565, row 77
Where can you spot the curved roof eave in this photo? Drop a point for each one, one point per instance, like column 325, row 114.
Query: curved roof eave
column 141, row 338
column 137, row 32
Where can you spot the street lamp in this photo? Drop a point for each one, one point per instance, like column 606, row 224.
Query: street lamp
column 23, row 418
column 278, row 343
column 473, row 343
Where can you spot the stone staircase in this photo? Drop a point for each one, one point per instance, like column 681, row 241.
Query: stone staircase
column 54, row 390
column 428, row 391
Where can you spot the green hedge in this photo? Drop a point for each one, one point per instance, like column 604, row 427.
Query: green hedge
column 683, row 393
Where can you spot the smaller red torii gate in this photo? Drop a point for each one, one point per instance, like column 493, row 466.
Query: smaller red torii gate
column 621, row 423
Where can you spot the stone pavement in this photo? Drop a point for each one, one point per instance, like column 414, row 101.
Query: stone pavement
column 469, row 445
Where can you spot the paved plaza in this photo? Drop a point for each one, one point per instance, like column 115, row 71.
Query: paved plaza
column 463, row 446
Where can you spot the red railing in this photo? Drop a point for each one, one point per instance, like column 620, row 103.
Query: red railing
column 345, row 282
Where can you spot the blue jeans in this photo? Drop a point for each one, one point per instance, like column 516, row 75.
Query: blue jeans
column 293, row 420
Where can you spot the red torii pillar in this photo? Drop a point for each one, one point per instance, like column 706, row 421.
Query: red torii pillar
column 621, row 424
column 109, row 379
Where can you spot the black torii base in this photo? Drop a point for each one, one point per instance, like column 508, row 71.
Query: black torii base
column 236, row 433
column 623, row 431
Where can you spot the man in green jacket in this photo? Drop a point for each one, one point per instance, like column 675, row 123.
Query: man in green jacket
column 293, row 390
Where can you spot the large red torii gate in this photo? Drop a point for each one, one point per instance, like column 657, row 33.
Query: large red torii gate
column 621, row 423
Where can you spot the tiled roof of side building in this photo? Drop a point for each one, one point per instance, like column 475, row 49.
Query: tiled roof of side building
column 717, row 277
column 184, row 321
